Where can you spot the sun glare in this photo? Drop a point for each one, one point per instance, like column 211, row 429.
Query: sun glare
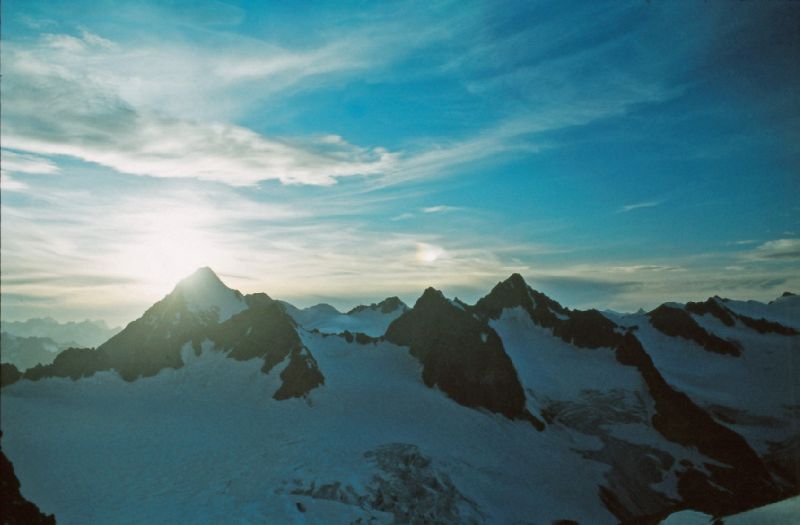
column 168, row 247
column 428, row 253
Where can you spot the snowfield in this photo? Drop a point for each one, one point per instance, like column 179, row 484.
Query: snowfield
column 207, row 444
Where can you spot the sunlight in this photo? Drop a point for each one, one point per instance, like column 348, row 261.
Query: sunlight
column 169, row 246
column 428, row 253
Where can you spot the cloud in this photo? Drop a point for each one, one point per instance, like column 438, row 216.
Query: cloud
column 91, row 116
column 778, row 249
column 7, row 183
column 441, row 208
column 23, row 163
column 638, row 206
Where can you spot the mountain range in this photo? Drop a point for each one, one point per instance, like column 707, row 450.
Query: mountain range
column 71, row 333
column 216, row 406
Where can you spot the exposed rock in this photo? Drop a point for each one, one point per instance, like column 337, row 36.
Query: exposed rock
column 9, row 374
column 634, row 468
column 586, row 329
column 461, row 355
column 388, row 305
column 359, row 337
column 300, row 376
column 73, row 363
column 711, row 306
column 745, row 483
column 411, row 489
column 16, row 510
column 675, row 322
column 265, row 330
column 763, row 326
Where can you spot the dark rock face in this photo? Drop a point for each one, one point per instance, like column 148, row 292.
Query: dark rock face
column 266, row 330
column 16, row 510
column 711, row 306
column 300, row 376
column 746, row 483
column 387, row 306
column 263, row 330
column 585, row 329
column 675, row 322
column 461, row 355
column 359, row 337
column 9, row 374
column 513, row 292
column 73, row 363
column 154, row 341
column 762, row 326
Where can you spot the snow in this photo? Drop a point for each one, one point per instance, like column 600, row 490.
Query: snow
column 207, row 444
column 688, row 517
column 204, row 292
column 757, row 389
column 327, row 319
column 555, row 369
column 783, row 310
column 781, row 513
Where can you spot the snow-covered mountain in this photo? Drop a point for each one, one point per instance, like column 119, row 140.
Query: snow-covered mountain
column 215, row 407
column 372, row 320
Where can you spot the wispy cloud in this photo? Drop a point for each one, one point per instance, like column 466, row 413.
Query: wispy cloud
column 89, row 117
column 637, row 206
column 440, row 208
column 776, row 250
column 24, row 163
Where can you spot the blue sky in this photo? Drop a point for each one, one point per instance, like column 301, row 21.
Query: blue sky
column 617, row 154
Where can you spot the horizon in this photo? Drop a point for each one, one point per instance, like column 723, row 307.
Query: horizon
column 341, row 306
column 617, row 156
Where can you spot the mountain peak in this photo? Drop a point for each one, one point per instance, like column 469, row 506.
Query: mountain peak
column 204, row 291
column 200, row 276
column 516, row 281
column 431, row 294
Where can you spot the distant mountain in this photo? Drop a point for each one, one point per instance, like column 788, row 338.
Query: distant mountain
column 26, row 352
column 84, row 333
column 371, row 320
column 215, row 406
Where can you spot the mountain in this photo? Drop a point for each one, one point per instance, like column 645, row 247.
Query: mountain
column 371, row 320
column 84, row 333
column 16, row 509
column 216, row 406
column 26, row 352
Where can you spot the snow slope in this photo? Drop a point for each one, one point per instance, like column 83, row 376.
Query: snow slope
column 207, row 444
column 755, row 393
column 781, row 513
column 370, row 320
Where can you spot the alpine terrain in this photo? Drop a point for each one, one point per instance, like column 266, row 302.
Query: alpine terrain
column 218, row 407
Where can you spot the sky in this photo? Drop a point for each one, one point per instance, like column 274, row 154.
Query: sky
column 616, row 154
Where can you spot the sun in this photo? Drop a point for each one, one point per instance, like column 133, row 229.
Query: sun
column 428, row 253
column 168, row 246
